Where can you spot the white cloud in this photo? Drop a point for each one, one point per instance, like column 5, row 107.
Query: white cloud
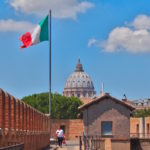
column 133, row 41
column 15, row 26
column 91, row 42
column 141, row 22
column 60, row 8
column 134, row 38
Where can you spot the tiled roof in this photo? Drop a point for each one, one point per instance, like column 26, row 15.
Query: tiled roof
column 106, row 96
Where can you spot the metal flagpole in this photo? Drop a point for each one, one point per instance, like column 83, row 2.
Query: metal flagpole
column 50, row 68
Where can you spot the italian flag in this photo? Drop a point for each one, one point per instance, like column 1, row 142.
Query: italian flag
column 39, row 34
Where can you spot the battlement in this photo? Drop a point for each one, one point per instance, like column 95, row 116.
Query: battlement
column 21, row 123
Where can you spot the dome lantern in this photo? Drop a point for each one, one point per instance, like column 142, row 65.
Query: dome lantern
column 79, row 67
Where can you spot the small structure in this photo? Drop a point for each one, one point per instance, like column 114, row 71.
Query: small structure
column 107, row 117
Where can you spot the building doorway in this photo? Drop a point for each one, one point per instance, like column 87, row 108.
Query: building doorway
column 63, row 127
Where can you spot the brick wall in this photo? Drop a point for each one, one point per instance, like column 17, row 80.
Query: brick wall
column 73, row 128
column 140, row 126
column 134, row 123
column 20, row 123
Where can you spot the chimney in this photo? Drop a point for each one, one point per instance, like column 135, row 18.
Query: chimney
column 107, row 94
column 124, row 98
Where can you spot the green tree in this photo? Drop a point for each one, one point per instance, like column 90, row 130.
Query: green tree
column 62, row 107
column 141, row 113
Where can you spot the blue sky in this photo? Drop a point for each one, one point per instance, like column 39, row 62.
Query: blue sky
column 112, row 39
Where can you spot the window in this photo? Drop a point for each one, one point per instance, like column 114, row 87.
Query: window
column 84, row 94
column 106, row 127
column 89, row 94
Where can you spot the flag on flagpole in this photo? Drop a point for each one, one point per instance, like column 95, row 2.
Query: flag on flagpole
column 39, row 34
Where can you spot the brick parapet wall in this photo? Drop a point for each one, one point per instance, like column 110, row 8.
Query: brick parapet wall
column 1, row 111
column 17, row 116
column 20, row 122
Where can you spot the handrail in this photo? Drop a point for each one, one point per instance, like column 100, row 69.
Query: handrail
column 140, row 135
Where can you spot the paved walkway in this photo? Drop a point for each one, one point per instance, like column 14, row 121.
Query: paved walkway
column 70, row 145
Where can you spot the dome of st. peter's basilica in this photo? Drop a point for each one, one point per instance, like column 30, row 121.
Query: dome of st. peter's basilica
column 79, row 84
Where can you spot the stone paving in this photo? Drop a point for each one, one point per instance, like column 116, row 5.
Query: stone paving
column 70, row 145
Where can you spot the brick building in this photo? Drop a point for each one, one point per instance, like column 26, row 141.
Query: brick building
column 107, row 116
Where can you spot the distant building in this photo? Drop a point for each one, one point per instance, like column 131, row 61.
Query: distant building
column 138, row 104
column 79, row 84
column 141, row 103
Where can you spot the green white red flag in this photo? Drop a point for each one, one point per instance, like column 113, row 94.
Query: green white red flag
column 39, row 34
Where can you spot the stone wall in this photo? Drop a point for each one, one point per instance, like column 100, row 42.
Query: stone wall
column 20, row 123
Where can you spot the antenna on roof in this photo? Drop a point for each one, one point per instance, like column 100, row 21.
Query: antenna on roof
column 102, row 88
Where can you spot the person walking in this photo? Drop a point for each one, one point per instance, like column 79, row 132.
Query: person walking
column 60, row 135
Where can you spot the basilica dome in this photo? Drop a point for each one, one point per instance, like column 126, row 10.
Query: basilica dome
column 79, row 84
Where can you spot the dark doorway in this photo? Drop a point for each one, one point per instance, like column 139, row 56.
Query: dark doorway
column 63, row 127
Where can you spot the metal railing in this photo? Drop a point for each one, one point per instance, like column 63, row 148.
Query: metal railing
column 14, row 147
column 140, row 135
column 91, row 142
column 98, row 142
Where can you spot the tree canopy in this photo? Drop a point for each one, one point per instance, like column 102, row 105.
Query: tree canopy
column 141, row 113
column 62, row 107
